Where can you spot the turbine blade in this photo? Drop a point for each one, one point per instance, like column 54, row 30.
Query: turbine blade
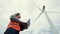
column 38, row 16
column 37, row 7
column 51, row 24
column 53, row 12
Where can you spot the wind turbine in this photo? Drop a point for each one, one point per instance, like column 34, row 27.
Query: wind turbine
column 53, row 28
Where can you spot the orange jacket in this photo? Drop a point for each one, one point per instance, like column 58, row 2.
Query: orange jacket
column 14, row 25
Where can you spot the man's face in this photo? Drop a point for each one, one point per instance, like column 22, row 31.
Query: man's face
column 18, row 17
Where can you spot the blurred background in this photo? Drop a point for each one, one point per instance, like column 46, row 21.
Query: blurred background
column 28, row 10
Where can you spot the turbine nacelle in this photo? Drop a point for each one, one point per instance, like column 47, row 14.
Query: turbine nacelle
column 43, row 8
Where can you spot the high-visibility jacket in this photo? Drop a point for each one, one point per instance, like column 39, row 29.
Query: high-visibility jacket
column 14, row 25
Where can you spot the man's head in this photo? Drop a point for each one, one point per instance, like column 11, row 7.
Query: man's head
column 17, row 15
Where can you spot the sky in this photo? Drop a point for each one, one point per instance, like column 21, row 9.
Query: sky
column 28, row 10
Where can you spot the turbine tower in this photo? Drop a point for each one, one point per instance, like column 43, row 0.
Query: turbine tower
column 53, row 28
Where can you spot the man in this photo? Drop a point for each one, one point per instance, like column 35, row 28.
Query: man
column 15, row 25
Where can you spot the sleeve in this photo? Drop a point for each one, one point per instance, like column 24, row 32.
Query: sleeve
column 25, row 25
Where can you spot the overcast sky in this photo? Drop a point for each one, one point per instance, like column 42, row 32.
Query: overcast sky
column 29, row 10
